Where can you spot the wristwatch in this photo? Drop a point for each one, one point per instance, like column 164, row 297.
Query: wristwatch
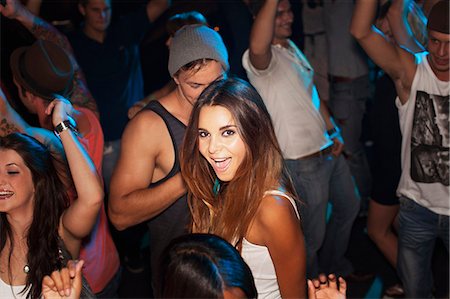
column 65, row 125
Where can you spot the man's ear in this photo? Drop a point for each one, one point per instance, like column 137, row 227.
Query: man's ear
column 81, row 9
column 175, row 78
column 31, row 98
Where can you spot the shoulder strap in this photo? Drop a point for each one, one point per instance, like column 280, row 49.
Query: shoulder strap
column 280, row 193
column 176, row 131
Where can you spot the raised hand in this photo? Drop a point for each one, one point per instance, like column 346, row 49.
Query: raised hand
column 327, row 287
column 65, row 283
column 60, row 109
column 11, row 9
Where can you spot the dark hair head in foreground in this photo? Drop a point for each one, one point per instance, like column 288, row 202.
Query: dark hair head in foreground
column 204, row 266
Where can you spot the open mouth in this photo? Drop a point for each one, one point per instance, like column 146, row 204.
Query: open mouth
column 4, row 194
column 221, row 164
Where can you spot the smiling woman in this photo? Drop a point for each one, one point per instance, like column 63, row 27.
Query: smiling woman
column 230, row 143
column 39, row 229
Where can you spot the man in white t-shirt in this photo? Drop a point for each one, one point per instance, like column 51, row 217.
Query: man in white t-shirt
column 422, row 83
column 310, row 141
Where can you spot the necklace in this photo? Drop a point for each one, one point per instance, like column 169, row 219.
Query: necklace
column 26, row 268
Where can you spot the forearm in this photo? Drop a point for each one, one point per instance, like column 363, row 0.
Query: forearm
column 155, row 8
column 143, row 204
column 40, row 28
column 262, row 31
column 87, row 181
column 363, row 16
column 82, row 214
column 325, row 113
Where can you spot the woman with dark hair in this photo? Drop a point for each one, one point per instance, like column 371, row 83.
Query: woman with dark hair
column 239, row 188
column 39, row 230
column 205, row 266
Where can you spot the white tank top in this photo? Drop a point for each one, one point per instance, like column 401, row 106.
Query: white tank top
column 258, row 259
column 7, row 291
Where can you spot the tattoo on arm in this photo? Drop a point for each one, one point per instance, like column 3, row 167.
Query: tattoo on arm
column 43, row 30
column 81, row 95
column 7, row 128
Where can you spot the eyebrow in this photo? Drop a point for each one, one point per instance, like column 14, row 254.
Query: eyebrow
column 227, row 127
column 218, row 78
column 221, row 128
column 12, row 164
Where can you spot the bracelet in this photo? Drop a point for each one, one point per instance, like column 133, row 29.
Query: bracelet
column 333, row 133
column 63, row 126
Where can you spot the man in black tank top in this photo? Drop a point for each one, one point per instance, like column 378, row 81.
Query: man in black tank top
column 147, row 185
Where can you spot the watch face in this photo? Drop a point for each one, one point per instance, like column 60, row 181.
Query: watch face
column 62, row 126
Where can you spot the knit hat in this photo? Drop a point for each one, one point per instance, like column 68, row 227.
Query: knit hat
column 193, row 42
column 43, row 69
column 438, row 19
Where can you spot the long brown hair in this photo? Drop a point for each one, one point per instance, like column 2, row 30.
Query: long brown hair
column 229, row 211
column 50, row 201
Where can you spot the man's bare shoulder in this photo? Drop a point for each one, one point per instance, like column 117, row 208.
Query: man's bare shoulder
column 146, row 131
column 146, row 121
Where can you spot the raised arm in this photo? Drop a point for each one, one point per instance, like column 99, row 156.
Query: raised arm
column 78, row 220
column 11, row 121
column 131, row 200
column 155, row 8
column 261, row 35
column 43, row 30
column 37, row 26
column 398, row 63
column 397, row 17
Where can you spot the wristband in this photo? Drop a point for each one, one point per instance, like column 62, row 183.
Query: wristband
column 333, row 133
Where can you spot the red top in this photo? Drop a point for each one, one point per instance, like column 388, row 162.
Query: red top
column 98, row 249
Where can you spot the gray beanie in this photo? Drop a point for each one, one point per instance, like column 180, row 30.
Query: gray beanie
column 193, row 42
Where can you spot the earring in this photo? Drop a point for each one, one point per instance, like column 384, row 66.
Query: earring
column 216, row 187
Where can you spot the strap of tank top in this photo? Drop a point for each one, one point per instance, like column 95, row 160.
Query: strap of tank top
column 176, row 130
column 283, row 194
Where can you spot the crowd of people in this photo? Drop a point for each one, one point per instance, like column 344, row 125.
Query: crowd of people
column 246, row 184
